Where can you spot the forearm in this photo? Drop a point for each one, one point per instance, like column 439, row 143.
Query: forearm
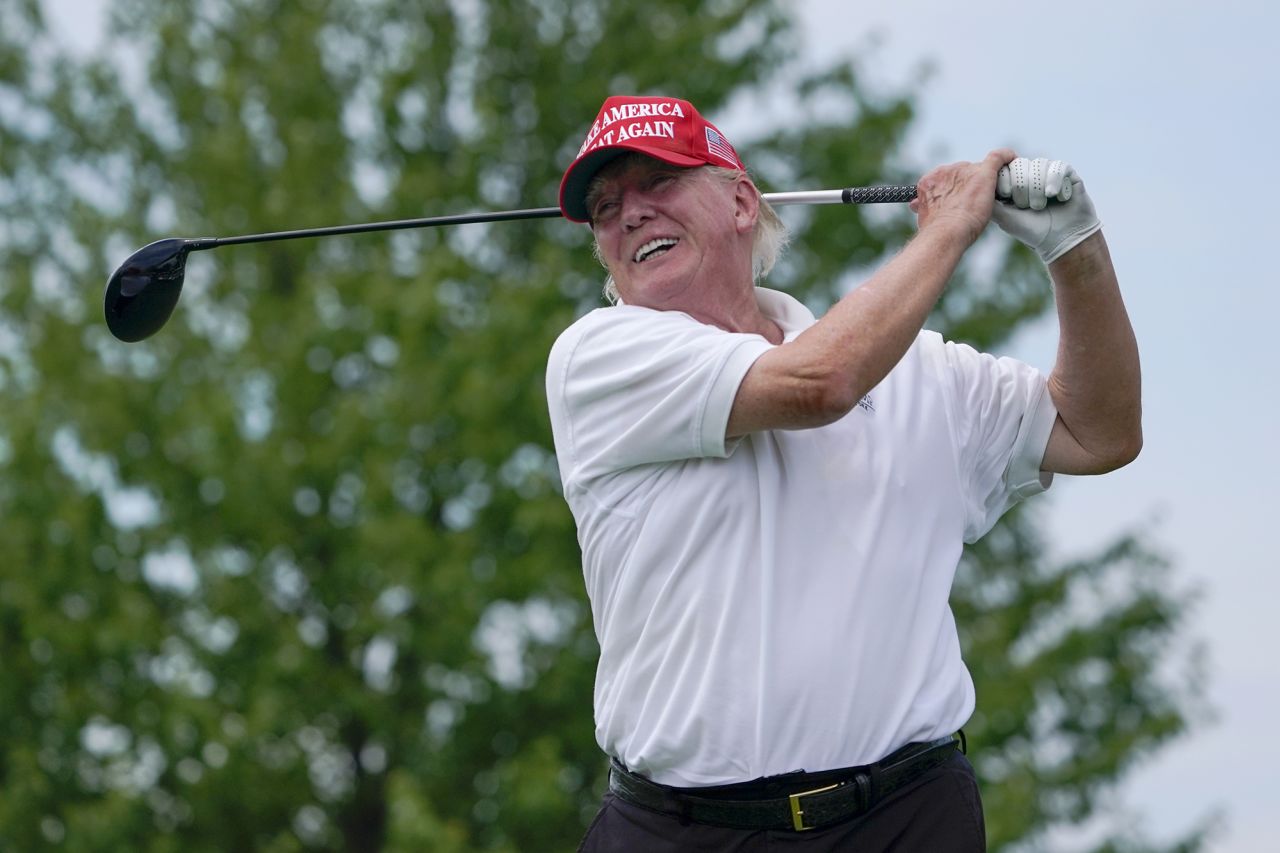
column 865, row 334
column 820, row 376
column 1096, row 381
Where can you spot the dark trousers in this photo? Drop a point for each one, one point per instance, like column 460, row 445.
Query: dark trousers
column 939, row 812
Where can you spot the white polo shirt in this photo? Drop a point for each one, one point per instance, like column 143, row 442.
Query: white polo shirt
column 778, row 602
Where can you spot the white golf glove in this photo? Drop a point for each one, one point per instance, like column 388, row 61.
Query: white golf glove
column 1023, row 210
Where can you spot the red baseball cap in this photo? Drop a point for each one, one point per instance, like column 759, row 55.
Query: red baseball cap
column 668, row 129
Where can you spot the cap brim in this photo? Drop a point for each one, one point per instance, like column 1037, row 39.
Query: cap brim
column 573, row 187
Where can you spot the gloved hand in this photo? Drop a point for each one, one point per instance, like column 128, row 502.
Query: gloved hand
column 1023, row 209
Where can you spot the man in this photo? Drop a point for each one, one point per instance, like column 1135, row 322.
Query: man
column 771, row 508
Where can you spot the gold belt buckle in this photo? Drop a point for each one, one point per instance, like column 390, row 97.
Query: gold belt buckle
column 797, row 813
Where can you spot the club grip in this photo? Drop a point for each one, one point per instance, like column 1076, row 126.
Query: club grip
column 877, row 195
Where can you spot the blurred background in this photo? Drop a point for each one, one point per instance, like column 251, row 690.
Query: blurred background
column 295, row 573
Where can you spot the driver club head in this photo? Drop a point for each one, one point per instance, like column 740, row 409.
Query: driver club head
column 141, row 294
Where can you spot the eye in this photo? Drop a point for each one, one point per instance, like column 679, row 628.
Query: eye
column 604, row 210
column 661, row 179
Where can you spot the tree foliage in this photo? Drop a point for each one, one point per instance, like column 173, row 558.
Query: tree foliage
column 296, row 573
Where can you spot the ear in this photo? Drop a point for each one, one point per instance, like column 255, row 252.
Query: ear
column 746, row 204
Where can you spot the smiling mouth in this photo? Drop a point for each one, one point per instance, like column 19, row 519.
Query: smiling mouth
column 654, row 248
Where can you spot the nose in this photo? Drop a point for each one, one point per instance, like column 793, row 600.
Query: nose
column 636, row 209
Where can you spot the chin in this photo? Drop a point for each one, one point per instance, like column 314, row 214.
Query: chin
column 657, row 286
column 657, row 293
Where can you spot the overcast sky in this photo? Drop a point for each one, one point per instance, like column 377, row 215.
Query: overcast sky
column 1168, row 111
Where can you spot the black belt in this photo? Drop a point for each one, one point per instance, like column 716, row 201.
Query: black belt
column 838, row 795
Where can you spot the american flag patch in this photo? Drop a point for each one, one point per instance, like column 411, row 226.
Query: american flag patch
column 719, row 146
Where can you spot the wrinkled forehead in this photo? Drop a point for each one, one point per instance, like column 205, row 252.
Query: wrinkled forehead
column 630, row 166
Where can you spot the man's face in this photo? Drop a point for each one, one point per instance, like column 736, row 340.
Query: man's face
column 669, row 236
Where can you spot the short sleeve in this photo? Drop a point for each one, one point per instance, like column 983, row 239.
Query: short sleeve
column 1001, row 414
column 629, row 386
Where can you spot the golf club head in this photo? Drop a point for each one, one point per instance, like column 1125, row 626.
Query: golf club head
column 141, row 294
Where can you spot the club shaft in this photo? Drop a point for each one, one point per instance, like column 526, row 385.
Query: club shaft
column 393, row 225
column 852, row 195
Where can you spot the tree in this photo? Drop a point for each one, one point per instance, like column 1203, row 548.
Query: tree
column 296, row 573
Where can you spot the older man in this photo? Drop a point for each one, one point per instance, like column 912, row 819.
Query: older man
column 771, row 508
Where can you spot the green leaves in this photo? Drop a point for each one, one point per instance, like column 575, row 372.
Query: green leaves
column 1075, row 671
column 296, row 573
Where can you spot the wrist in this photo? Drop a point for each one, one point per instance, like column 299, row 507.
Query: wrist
column 1088, row 256
column 954, row 231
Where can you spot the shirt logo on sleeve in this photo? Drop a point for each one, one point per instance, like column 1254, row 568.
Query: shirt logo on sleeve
column 866, row 405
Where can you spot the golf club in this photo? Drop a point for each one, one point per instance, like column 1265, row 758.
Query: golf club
column 142, row 292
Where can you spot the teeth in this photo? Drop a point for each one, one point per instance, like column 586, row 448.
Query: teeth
column 653, row 247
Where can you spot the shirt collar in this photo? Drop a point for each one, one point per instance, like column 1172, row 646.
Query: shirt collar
column 784, row 309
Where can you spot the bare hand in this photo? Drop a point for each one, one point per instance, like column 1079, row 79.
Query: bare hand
column 961, row 194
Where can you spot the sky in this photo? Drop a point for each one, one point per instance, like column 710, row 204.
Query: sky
column 1168, row 110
